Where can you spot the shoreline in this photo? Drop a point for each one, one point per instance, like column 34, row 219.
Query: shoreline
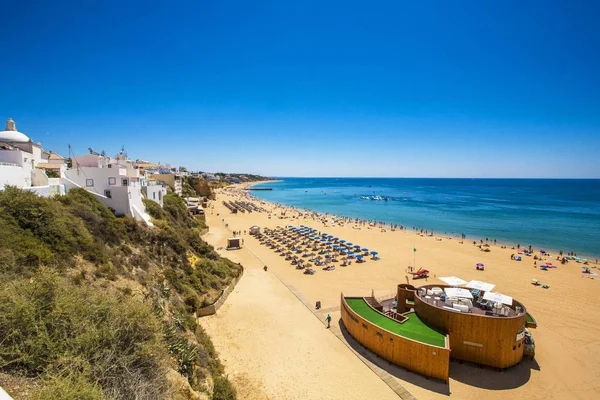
column 591, row 258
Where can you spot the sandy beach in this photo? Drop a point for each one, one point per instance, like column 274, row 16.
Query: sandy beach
column 275, row 347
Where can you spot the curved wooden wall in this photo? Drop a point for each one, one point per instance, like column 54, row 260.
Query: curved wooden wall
column 481, row 339
column 416, row 356
column 405, row 292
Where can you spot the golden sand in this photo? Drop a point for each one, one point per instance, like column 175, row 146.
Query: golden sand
column 274, row 347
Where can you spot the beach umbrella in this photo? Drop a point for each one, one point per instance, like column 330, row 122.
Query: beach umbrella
column 487, row 287
column 350, row 253
column 335, row 246
column 543, row 251
column 342, row 241
column 359, row 256
column 357, row 247
column 479, row 264
column 365, row 249
column 374, row 253
column 348, row 244
column 452, row 280
column 329, row 236
column 548, row 263
column 329, row 243
column 336, row 239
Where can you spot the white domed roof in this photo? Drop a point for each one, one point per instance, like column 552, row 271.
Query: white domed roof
column 11, row 134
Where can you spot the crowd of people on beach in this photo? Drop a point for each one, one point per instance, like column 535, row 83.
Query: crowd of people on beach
column 281, row 211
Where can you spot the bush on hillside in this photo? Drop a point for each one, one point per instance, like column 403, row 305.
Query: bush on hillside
column 223, row 389
column 72, row 386
column 83, row 337
column 98, row 219
column 49, row 325
column 40, row 231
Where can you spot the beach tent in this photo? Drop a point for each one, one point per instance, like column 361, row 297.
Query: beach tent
column 487, row 287
column 234, row 243
column 452, row 280
column 458, row 292
column 498, row 298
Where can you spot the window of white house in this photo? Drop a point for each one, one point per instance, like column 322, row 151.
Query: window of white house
column 112, row 181
column 154, row 196
column 89, row 182
column 124, row 182
column 107, row 194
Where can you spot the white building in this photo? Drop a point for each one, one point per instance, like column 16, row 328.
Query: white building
column 115, row 181
column 174, row 181
column 154, row 190
column 24, row 163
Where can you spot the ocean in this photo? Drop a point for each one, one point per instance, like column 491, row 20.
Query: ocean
column 554, row 214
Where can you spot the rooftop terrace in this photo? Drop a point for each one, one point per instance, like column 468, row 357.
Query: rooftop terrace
column 413, row 328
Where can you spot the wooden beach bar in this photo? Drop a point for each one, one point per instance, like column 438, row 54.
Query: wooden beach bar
column 421, row 329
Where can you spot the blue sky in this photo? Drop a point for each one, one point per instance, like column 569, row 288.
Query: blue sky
column 312, row 88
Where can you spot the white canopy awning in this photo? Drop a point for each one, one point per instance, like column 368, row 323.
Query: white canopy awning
column 452, row 280
column 458, row 292
column 481, row 285
column 498, row 298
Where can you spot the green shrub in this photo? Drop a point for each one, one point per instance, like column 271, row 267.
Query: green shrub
column 71, row 387
column 154, row 209
column 52, row 325
column 223, row 389
column 40, row 230
column 98, row 219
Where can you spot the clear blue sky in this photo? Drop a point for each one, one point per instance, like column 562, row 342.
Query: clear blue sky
column 312, row 88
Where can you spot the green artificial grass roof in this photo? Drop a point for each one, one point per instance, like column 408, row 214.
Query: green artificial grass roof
column 529, row 318
column 413, row 329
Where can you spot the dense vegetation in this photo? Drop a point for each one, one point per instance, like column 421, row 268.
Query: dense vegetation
column 102, row 307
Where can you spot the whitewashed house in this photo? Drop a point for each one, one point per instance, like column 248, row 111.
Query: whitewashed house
column 23, row 163
column 154, row 190
column 115, row 181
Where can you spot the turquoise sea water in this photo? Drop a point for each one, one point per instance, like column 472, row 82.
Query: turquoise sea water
column 554, row 214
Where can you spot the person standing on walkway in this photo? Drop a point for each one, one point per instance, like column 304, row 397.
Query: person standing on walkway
column 328, row 319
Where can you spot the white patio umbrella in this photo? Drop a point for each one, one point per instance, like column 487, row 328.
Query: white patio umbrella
column 452, row 280
column 498, row 298
column 487, row 287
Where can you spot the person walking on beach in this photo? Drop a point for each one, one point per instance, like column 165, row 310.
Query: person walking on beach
column 328, row 319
